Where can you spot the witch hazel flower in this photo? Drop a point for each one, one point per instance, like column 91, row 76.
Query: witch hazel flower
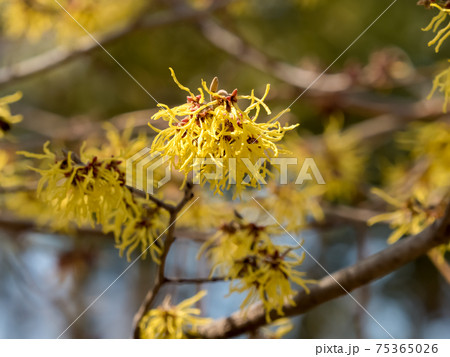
column 217, row 141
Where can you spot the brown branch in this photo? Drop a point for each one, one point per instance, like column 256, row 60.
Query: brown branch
column 296, row 76
column 160, row 278
column 194, row 280
column 331, row 90
column 342, row 213
column 15, row 224
column 21, row 188
column 167, row 206
column 85, row 46
column 350, row 278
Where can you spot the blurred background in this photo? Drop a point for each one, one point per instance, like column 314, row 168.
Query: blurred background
column 47, row 280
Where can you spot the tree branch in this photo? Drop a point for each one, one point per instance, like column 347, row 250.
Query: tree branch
column 350, row 278
column 296, row 76
column 332, row 90
column 160, row 278
column 194, row 280
column 85, row 46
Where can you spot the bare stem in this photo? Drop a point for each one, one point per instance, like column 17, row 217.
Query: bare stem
column 194, row 280
column 160, row 277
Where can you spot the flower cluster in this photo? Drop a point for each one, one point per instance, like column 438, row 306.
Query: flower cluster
column 441, row 83
column 340, row 157
column 218, row 130
column 419, row 194
column 92, row 190
column 245, row 254
column 342, row 161
column 8, row 177
column 34, row 18
column 435, row 24
column 169, row 321
column 83, row 189
column 293, row 207
column 6, row 118
column 206, row 214
column 411, row 215
column 430, row 143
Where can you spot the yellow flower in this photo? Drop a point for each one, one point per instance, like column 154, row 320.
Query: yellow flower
column 217, row 130
column 341, row 160
column 142, row 227
column 266, row 276
column 168, row 321
column 6, row 119
column 441, row 83
column 90, row 190
column 120, row 144
column 429, row 147
column 34, row 18
column 24, row 203
column 293, row 206
column 411, row 216
column 434, row 25
column 85, row 192
column 206, row 214
column 8, row 176
column 234, row 240
column 244, row 253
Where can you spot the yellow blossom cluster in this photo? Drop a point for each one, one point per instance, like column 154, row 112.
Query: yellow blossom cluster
column 245, row 254
column 169, row 321
column 90, row 190
column 293, row 206
column 83, row 189
column 32, row 19
column 410, row 216
column 435, row 24
column 23, row 202
column 420, row 192
column 430, row 143
column 340, row 158
column 120, row 144
column 8, row 177
column 420, row 197
column 206, row 214
column 441, row 83
column 19, row 197
column 441, row 25
column 217, row 140
column 6, row 118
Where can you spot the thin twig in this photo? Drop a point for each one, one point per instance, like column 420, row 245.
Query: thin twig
column 160, row 278
column 85, row 46
column 296, row 76
column 195, row 280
